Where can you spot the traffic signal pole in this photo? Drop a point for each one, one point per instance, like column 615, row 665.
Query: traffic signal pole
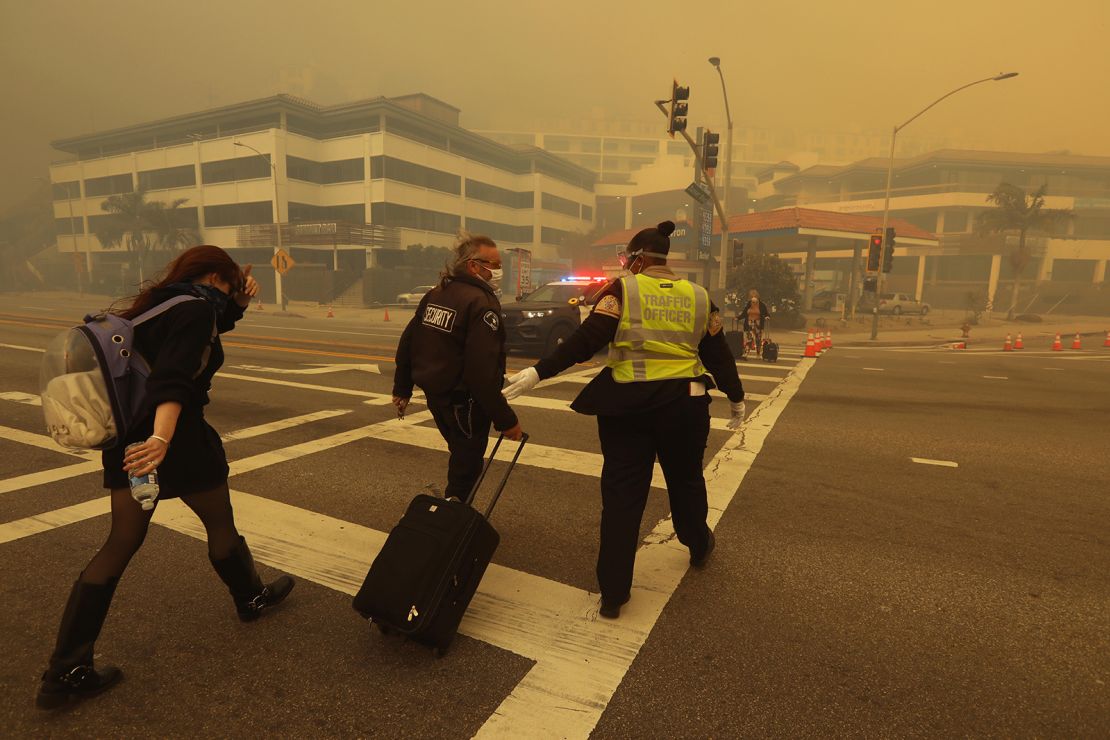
column 889, row 177
column 662, row 106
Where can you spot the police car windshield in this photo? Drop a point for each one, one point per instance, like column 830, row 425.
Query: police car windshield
column 557, row 293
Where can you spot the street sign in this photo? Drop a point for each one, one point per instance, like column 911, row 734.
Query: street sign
column 282, row 262
column 699, row 192
column 705, row 231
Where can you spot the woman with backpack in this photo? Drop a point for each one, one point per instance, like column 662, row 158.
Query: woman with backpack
column 182, row 347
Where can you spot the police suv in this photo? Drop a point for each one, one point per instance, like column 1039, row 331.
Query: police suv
column 545, row 318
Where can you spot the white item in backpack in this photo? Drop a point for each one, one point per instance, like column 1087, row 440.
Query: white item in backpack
column 77, row 411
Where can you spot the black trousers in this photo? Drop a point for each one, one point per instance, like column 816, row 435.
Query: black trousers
column 465, row 427
column 675, row 433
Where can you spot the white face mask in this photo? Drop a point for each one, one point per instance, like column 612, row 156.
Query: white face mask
column 495, row 279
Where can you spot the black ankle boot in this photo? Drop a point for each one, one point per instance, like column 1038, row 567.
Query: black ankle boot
column 71, row 676
column 251, row 596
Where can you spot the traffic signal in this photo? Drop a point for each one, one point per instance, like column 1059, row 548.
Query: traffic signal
column 888, row 252
column 709, row 149
column 676, row 118
column 873, row 252
column 870, row 284
column 737, row 252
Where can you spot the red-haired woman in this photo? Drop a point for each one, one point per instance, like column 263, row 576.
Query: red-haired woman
column 183, row 348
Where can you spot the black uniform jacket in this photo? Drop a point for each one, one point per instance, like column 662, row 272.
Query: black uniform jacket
column 183, row 357
column 604, row 396
column 456, row 343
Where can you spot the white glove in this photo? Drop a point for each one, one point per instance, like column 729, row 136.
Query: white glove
column 520, row 383
column 738, row 410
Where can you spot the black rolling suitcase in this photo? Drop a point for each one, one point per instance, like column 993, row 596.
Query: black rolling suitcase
column 770, row 351
column 431, row 564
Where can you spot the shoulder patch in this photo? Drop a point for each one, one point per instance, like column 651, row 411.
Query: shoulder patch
column 609, row 306
column 493, row 321
column 439, row 317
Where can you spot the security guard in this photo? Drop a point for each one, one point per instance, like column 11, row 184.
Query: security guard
column 651, row 400
column 454, row 349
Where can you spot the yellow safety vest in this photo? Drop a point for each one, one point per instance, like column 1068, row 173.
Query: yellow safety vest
column 662, row 323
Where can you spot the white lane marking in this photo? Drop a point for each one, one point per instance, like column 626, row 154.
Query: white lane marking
column 376, row 398
column 21, row 347
column 539, row 456
column 996, row 377
column 21, row 397
column 941, row 463
column 37, row 308
column 580, row 660
column 31, row 480
column 394, row 335
column 1052, row 368
column 874, row 369
column 43, row 442
column 49, row 520
column 93, row 463
column 319, row 369
column 581, row 667
column 555, row 404
column 280, row 424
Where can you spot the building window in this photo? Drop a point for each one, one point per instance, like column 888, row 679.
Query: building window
column 240, row 168
column 414, row 131
column 642, row 146
column 239, row 214
column 112, row 185
column 353, row 213
column 590, row 145
column 556, row 204
column 587, row 213
column 955, row 222
column 170, row 177
column 410, row 217
column 391, row 168
column 325, row 173
column 499, row 196
column 66, row 190
column 68, row 226
column 556, row 143
column 554, row 237
column 500, row 232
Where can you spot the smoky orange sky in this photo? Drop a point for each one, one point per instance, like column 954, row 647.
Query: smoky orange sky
column 73, row 67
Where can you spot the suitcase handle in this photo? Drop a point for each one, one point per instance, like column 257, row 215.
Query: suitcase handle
column 504, row 479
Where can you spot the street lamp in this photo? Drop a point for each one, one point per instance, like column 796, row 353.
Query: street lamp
column 890, row 175
column 716, row 62
column 277, row 219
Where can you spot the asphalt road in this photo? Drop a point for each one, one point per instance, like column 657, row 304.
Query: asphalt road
column 853, row 591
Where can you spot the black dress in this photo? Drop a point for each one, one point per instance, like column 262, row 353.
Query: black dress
column 175, row 344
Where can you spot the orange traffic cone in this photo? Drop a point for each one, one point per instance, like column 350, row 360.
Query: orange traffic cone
column 386, row 315
column 811, row 348
column 1020, row 343
column 828, row 339
column 1075, row 343
column 822, row 344
column 1056, row 346
column 331, row 314
column 1107, row 342
column 1007, row 346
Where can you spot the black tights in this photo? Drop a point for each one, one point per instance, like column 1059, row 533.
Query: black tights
column 130, row 523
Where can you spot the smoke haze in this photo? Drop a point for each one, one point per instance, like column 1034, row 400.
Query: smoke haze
column 863, row 65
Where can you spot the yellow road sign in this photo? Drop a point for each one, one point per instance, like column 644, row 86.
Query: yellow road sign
column 282, row 262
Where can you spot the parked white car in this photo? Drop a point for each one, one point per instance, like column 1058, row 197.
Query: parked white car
column 900, row 303
column 413, row 296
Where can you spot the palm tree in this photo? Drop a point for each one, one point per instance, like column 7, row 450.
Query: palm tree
column 1015, row 210
column 141, row 225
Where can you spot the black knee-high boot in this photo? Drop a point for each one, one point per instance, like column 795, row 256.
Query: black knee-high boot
column 71, row 675
column 251, row 596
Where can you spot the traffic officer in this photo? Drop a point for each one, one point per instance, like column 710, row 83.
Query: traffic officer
column 651, row 401
column 454, row 349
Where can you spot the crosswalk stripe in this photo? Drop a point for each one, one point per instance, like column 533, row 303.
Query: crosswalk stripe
column 20, row 397
column 280, row 424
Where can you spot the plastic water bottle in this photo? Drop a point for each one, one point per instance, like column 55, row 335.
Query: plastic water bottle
column 144, row 488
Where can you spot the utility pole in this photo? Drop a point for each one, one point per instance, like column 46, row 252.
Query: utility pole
column 723, row 277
